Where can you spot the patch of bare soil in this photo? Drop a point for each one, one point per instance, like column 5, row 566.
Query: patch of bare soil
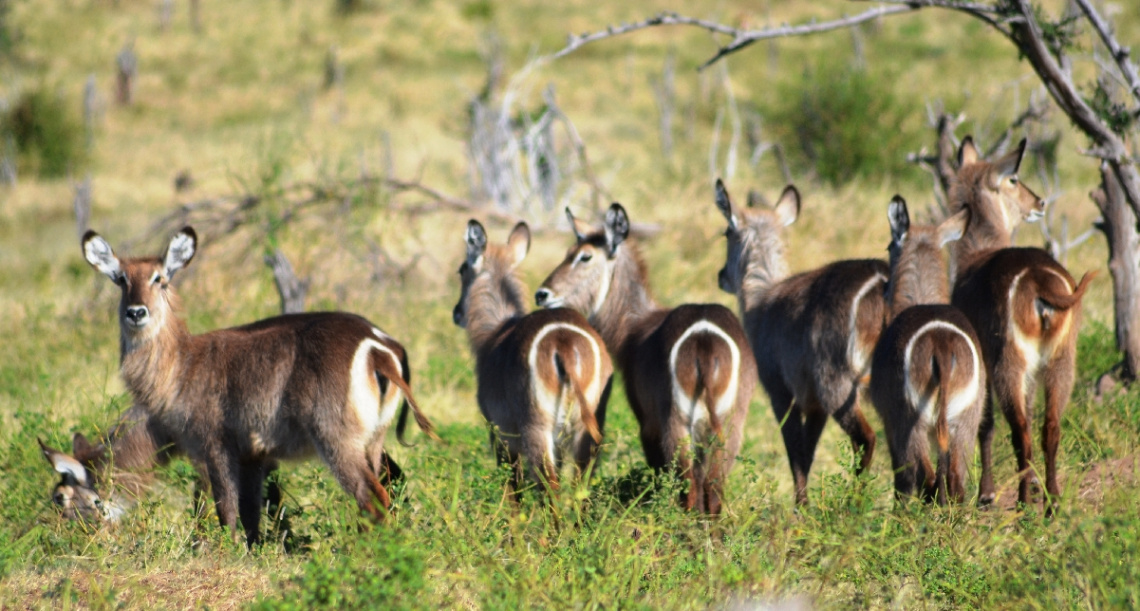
column 1094, row 481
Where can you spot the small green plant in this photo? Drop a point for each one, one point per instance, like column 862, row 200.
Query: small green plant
column 381, row 570
column 49, row 137
column 847, row 122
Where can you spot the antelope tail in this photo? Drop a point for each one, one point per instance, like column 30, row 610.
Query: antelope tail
column 942, row 427
column 1061, row 301
column 387, row 367
column 705, row 366
column 586, row 414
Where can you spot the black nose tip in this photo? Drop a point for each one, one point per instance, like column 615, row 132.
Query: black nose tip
column 541, row 296
column 457, row 316
column 136, row 313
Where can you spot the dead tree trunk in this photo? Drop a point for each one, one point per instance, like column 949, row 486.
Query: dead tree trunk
column 291, row 289
column 1119, row 227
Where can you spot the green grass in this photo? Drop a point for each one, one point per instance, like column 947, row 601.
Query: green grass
column 241, row 106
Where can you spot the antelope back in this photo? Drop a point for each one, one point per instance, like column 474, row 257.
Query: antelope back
column 918, row 271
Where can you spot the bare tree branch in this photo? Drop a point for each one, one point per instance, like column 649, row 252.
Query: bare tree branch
column 1119, row 53
column 740, row 38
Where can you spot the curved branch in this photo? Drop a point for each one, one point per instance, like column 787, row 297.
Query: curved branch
column 740, row 38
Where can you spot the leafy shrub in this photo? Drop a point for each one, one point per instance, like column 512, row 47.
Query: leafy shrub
column 846, row 120
column 48, row 137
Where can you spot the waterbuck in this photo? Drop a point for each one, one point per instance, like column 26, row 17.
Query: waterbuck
column 124, row 464
column 688, row 372
column 812, row 333
column 927, row 374
column 1025, row 308
column 544, row 378
column 236, row 400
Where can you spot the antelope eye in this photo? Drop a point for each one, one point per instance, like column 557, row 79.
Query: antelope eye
column 584, row 257
column 1013, row 180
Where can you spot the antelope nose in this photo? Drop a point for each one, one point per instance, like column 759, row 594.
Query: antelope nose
column 136, row 313
column 541, row 296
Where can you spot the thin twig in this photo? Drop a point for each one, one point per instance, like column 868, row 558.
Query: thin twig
column 1119, row 54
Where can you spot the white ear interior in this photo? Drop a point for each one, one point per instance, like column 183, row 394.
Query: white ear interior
column 99, row 254
column 67, row 465
column 179, row 253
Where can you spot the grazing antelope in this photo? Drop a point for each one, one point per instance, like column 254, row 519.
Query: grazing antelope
column 137, row 445
column 1024, row 306
column 544, row 378
column 688, row 372
column 927, row 374
column 812, row 333
column 236, row 400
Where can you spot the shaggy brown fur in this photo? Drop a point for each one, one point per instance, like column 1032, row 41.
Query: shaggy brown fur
column 812, row 333
column 927, row 374
column 531, row 368
column 1026, row 309
column 236, row 400
column 688, row 372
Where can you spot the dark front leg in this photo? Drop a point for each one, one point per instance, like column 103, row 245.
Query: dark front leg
column 252, row 480
column 985, row 446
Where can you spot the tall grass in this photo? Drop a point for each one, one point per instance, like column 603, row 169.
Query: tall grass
column 243, row 108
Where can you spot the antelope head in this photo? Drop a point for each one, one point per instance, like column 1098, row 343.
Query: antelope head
column 147, row 300
column 490, row 267
column 583, row 280
column 75, row 495
column 994, row 188
column 755, row 239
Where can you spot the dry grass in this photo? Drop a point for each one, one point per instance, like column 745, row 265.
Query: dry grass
column 246, row 94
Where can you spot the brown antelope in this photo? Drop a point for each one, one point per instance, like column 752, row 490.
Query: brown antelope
column 927, row 373
column 812, row 333
column 688, row 372
column 1024, row 306
column 137, row 445
column 236, row 400
column 531, row 368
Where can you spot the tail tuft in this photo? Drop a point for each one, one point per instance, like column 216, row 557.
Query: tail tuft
column 386, row 367
column 1066, row 301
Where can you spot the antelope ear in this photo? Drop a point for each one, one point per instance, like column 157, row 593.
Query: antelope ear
column 724, row 204
column 899, row 219
column 63, row 464
column 84, row 451
column 581, row 229
column 952, row 228
column 1009, row 164
column 519, row 243
column 617, row 228
column 180, row 251
column 967, row 152
column 476, row 242
column 788, row 206
column 99, row 254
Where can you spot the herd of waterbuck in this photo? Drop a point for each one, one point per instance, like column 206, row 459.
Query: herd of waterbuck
column 931, row 347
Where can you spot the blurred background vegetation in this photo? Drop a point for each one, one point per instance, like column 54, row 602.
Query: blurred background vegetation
column 275, row 124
